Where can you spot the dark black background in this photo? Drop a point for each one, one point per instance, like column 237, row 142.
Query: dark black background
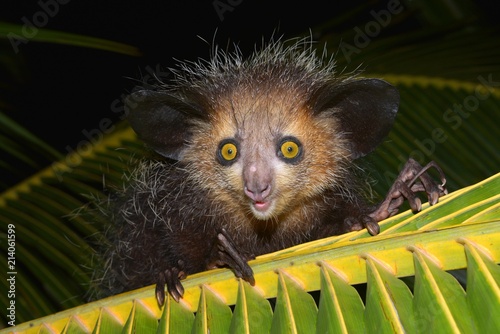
column 64, row 90
column 58, row 92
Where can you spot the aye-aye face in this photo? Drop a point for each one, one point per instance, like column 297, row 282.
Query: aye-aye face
column 264, row 152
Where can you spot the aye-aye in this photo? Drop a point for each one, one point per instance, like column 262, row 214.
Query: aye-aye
column 255, row 155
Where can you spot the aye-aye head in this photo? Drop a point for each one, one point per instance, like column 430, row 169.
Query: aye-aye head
column 268, row 133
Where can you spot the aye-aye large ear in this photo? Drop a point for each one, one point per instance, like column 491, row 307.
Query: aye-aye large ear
column 366, row 109
column 161, row 120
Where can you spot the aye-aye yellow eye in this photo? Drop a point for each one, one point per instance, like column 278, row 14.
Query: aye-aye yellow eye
column 290, row 149
column 228, row 151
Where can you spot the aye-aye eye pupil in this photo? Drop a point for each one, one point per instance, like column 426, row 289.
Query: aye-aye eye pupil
column 290, row 149
column 229, row 151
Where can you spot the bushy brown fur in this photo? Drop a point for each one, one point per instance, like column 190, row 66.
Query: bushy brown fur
column 174, row 210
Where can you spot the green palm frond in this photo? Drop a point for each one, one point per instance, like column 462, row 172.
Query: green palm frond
column 462, row 231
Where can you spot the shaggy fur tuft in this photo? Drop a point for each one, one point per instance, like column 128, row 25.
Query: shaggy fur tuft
column 286, row 177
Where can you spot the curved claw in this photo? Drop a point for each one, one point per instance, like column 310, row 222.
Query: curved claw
column 406, row 187
column 230, row 256
column 371, row 225
column 364, row 221
column 171, row 278
column 433, row 190
column 160, row 289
